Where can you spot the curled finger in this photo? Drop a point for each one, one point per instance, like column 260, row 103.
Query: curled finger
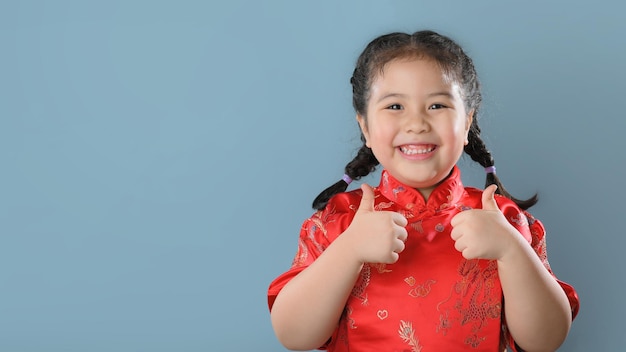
column 399, row 246
column 460, row 246
column 399, row 219
column 402, row 234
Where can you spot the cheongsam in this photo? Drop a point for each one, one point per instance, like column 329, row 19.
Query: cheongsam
column 431, row 299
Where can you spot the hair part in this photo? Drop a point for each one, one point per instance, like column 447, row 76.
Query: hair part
column 455, row 64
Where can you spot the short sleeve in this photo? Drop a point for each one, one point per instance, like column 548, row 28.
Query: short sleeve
column 316, row 234
column 534, row 232
column 538, row 235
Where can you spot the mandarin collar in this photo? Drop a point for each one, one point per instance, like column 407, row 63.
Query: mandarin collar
column 448, row 193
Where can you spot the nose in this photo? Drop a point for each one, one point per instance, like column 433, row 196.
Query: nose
column 417, row 123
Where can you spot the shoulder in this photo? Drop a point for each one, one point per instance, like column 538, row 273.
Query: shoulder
column 336, row 216
column 344, row 203
column 342, row 207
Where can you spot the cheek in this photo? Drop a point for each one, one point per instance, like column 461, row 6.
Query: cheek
column 455, row 137
column 460, row 132
column 381, row 135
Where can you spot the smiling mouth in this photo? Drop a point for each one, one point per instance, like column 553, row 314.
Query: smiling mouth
column 416, row 150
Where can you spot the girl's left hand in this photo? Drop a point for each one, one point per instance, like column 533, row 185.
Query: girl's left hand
column 484, row 233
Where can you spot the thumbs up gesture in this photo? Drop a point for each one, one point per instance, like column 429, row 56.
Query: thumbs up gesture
column 483, row 233
column 376, row 236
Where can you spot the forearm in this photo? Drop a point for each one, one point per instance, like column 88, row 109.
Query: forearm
column 308, row 308
column 537, row 310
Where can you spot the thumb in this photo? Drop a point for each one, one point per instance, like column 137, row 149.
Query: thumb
column 367, row 201
column 488, row 200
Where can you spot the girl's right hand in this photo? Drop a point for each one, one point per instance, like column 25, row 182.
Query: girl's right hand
column 376, row 236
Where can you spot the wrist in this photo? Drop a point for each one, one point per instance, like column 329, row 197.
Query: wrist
column 347, row 248
column 516, row 246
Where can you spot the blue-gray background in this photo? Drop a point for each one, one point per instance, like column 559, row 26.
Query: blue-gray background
column 158, row 157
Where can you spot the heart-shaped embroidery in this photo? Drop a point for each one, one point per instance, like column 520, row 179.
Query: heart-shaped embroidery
column 382, row 314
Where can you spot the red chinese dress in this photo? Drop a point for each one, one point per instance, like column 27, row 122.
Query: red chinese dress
column 431, row 299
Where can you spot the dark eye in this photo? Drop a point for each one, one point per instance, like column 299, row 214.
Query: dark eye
column 436, row 106
column 395, row 107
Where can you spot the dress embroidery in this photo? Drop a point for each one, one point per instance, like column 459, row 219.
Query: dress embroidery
column 476, row 284
column 519, row 219
column 421, row 290
column 396, row 191
column 381, row 268
column 407, row 334
column 383, row 206
column 358, row 291
column 417, row 226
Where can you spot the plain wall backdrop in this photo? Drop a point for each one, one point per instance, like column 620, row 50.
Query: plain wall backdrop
column 157, row 158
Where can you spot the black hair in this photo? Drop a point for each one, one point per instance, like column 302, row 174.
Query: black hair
column 454, row 63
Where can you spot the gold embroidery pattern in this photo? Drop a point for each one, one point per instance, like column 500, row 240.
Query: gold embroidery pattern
column 474, row 340
column 301, row 255
column 381, row 268
column 342, row 332
column 358, row 291
column 540, row 248
column 417, row 226
column 519, row 219
column 351, row 322
column 383, row 205
column 444, row 323
column 478, row 284
column 483, row 282
column 421, row 290
column 317, row 225
column 322, row 218
column 407, row 334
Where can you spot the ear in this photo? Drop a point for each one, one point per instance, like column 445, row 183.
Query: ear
column 468, row 123
column 363, row 125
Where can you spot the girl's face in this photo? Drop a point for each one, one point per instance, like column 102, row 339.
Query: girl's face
column 416, row 123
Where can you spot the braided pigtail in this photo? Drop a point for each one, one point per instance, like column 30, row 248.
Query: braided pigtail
column 363, row 163
column 370, row 62
column 477, row 150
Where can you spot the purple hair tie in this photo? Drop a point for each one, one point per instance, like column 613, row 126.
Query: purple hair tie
column 490, row 170
column 346, row 179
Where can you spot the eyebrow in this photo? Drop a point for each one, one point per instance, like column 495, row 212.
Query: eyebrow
column 400, row 95
column 391, row 95
column 445, row 94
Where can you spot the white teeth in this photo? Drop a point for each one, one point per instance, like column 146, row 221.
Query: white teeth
column 412, row 151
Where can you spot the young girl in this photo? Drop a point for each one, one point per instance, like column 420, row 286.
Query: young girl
column 420, row 263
